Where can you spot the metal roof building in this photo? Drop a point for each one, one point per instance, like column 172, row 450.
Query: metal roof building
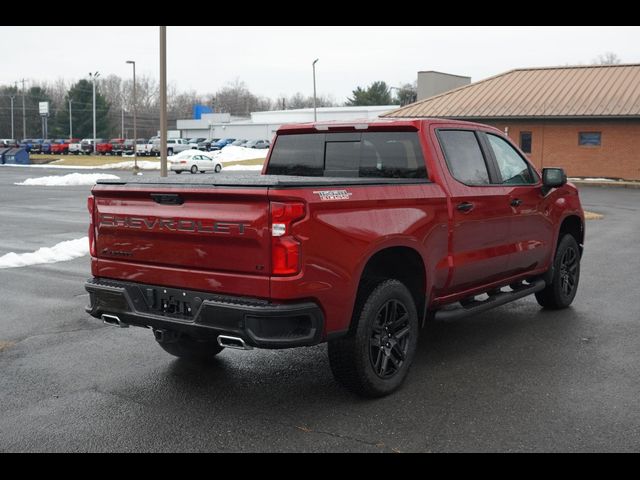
column 583, row 118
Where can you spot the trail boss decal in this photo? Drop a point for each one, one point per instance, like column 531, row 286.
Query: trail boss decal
column 333, row 194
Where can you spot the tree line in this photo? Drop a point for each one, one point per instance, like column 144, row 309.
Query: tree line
column 114, row 105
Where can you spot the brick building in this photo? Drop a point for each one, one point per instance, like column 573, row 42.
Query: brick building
column 585, row 119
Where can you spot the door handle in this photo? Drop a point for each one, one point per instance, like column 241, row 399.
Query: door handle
column 516, row 202
column 464, row 206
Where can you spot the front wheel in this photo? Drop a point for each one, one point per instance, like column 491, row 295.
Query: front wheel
column 178, row 172
column 185, row 347
column 566, row 275
column 194, row 169
column 374, row 358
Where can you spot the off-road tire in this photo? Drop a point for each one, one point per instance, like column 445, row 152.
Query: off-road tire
column 355, row 360
column 566, row 275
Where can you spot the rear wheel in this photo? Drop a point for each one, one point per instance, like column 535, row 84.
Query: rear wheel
column 218, row 168
column 194, row 169
column 374, row 358
column 178, row 172
column 566, row 275
column 186, row 347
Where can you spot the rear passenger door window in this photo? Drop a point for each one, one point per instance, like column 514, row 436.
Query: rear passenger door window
column 464, row 156
column 513, row 169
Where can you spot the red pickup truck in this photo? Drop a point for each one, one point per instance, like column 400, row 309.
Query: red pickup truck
column 354, row 234
column 107, row 148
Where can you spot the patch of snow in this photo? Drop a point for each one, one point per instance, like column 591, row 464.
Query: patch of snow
column 60, row 252
column 242, row 167
column 69, row 179
column 232, row 153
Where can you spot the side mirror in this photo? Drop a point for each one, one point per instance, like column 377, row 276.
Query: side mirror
column 552, row 178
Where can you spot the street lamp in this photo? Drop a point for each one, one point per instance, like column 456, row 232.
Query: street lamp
column 135, row 112
column 12, row 97
column 163, row 101
column 93, row 77
column 315, row 114
column 70, row 120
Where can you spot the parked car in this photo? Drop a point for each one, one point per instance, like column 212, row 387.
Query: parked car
column 223, row 142
column 36, row 145
column 205, row 145
column 174, row 145
column 47, row 145
column 8, row 143
column 194, row 161
column 193, row 142
column 239, row 142
column 88, row 148
column 140, row 147
column 75, row 148
column 257, row 144
column 106, row 148
column 26, row 143
column 62, row 148
column 419, row 220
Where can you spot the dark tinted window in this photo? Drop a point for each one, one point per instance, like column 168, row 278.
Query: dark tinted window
column 342, row 159
column 589, row 138
column 464, row 157
column 367, row 154
column 525, row 142
column 298, row 155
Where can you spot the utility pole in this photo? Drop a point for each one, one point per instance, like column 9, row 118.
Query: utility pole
column 122, row 124
column 12, row 134
column 70, row 121
column 163, row 101
column 24, row 115
column 135, row 112
column 93, row 77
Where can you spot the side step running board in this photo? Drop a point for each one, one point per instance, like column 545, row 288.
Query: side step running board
column 491, row 302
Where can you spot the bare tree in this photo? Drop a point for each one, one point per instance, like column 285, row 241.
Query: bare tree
column 236, row 99
column 607, row 58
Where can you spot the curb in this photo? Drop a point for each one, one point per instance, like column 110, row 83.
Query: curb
column 607, row 184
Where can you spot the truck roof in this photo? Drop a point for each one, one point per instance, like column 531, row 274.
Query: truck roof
column 373, row 124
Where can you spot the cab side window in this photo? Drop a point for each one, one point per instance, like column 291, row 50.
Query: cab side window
column 464, row 156
column 513, row 169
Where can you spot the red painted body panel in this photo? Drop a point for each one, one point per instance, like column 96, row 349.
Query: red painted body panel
column 463, row 252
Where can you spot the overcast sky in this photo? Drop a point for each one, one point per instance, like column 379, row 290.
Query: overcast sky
column 276, row 61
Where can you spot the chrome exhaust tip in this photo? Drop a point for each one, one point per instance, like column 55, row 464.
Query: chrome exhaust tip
column 233, row 342
column 113, row 321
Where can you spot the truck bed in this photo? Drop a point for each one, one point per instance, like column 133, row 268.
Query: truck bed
column 255, row 180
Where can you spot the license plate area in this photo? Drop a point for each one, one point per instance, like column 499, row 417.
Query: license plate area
column 169, row 302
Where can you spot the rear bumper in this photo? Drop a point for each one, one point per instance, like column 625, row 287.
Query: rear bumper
column 204, row 315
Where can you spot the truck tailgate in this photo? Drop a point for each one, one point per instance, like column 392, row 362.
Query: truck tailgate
column 221, row 230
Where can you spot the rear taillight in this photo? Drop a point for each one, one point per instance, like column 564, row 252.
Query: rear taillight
column 92, row 230
column 285, row 248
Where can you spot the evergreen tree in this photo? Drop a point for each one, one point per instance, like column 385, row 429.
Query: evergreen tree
column 81, row 95
column 375, row 94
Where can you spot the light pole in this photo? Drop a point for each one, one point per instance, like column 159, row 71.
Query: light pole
column 24, row 114
column 135, row 111
column 93, row 77
column 315, row 114
column 70, row 120
column 12, row 97
column 163, row 101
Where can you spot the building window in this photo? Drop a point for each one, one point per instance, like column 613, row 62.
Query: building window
column 525, row 142
column 589, row 139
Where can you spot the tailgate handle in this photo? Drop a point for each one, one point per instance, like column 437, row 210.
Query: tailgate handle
column 167, row 198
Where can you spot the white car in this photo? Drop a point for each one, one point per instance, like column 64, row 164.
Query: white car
column 194, row 161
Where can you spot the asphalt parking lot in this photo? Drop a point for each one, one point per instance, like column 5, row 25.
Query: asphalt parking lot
column 513, row 379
